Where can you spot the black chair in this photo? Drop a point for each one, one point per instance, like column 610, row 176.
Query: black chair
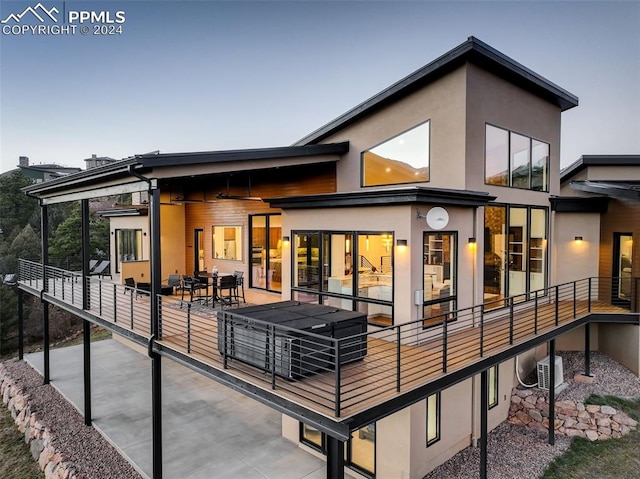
column 228, row 291
column 239, row 284
column 129, row 285
column 173, row 282
column 192, row 285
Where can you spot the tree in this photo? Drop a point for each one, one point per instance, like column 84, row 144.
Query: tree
column 16, row 209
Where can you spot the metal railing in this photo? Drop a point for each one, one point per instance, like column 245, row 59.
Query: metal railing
column 127, row 307
column 346, row 375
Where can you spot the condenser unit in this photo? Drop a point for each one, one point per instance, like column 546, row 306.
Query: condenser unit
column 544, row 373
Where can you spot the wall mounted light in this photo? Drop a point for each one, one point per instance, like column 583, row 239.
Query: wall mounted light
column 285, row 240
column 401, row 243
column 578, row 239
column 472, row 242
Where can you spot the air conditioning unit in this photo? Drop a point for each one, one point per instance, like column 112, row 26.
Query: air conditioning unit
column 544, row 373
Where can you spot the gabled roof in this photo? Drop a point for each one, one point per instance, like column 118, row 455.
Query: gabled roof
column 474, row 51
column 597, row 160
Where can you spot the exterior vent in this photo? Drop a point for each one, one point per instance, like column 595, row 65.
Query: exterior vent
column 544, row 373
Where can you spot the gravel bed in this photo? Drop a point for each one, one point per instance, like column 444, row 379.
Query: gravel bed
column 517, row 452
column 83, row 446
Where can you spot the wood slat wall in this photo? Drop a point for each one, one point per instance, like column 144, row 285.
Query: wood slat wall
column 307, row 180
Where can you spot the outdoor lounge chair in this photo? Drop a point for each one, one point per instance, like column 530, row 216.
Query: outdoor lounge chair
column 102, row 269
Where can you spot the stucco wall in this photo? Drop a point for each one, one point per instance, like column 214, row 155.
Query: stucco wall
column 443, row 103
column 621, row 342
column 573, row 260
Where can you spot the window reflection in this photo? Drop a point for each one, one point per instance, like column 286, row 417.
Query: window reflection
column 519, row 161
column 497, row 156
column 402, row 159
column 539, row 165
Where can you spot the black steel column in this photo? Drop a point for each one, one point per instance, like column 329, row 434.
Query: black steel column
column 156, row 365
column 20, row 327
column 44, row 226
column 587, row 349
column 552, row 391
column 484, row 412
column 86, row 332
column 335, row 458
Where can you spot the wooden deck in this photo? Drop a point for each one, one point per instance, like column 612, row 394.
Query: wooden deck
column 398, row 359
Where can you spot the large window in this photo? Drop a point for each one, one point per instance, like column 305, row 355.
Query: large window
column 439, row 276
column 359, row 450
column 515, row 160
column 402, row 159
column 128, row 246
column 227, row 242
column 433, row 419
column 515, row 259
column 356, row 272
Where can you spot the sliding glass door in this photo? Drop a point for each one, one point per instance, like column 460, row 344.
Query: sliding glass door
column 266, row 252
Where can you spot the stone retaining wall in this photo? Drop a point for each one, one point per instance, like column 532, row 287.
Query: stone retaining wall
column 36, row 434
column 530, row 408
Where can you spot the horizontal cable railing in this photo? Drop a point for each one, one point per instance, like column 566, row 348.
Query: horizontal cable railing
column 127, row 307
column 340, row 377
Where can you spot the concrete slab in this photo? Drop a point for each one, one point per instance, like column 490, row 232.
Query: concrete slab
column 209, row 431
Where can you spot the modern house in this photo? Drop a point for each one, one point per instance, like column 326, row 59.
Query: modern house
column 41, row 172
column 435, row 210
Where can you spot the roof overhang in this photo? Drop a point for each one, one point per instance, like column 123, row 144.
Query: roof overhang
column 578, row 204
column 597, row 160
column 387, row 197
column 613, row 189
column 474, row 51
column 226, row 156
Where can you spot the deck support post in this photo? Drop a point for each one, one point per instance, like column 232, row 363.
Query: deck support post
column 20, row 326
column 86, row 325
column 484, row 412
column 44, row 228
column 156, row 330
column 335, row 458
column 587, row 349
column 552, row 391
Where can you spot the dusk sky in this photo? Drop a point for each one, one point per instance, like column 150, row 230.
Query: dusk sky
column 207, row 75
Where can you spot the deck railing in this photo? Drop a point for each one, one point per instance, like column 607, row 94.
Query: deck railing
column 341, row 376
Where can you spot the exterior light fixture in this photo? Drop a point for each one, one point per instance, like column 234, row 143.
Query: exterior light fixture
column 472, row 242
column 578, row 239
column 285, row 240
column 401, row 243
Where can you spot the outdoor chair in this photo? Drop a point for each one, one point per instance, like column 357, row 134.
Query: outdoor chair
column 102, row 269
column 239, row 284
column 192, row 285
column 173, row 282
column 129, row 285
column 228, row 291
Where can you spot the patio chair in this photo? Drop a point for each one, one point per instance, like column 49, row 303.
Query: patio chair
column 102, row 269
column 229, row 285
column 192, row 285
column 173, row 282
column 129, row 285
column 239, row 284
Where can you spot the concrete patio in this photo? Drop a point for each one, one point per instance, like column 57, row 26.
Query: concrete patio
column 209, row 431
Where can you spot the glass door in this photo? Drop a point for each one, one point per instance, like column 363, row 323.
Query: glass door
column 622, row 257
column 266, row 252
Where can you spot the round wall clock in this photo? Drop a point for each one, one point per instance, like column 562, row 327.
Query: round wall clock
column 437, row 218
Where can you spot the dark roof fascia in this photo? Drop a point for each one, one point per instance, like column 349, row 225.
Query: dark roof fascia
column 611, row 189
column 578, row 204
column 81, row 178
column 597, row 160
column 124, row 211
column 472, row 50
column 203, row 157
column 398, row 196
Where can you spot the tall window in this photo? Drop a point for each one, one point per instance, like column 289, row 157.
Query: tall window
column 515, row 259
column 356, row 272
column 439, row 276
column 493, row 386
column 515, row 160
column 128, row 246
column 433, row 419
column 401, row 159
